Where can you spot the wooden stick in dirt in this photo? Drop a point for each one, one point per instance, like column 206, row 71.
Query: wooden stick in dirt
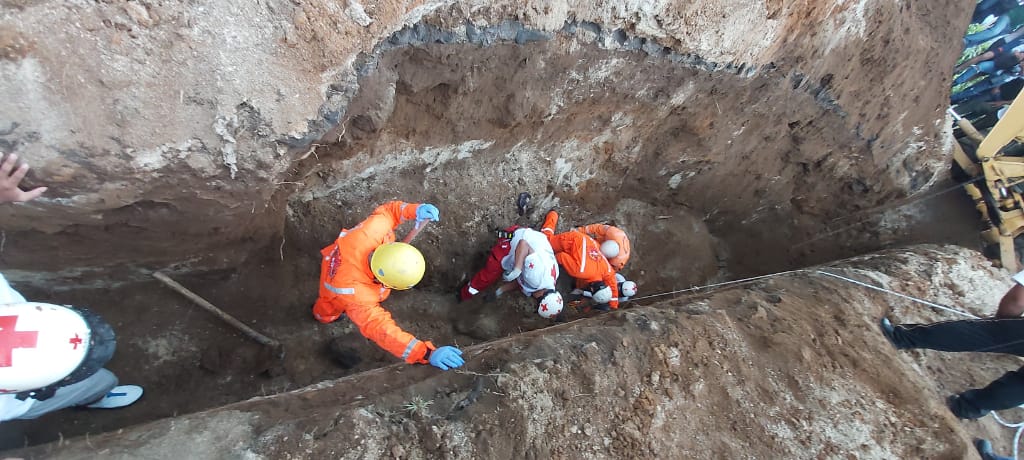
column 216, row 311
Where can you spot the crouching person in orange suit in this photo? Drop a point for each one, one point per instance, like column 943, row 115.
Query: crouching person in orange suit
column 358, row 272
column 614, row 243
column 582, row 259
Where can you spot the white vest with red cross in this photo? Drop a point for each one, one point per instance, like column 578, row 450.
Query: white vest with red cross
column 39, row 344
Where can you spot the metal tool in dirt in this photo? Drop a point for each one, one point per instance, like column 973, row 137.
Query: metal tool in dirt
column 994, row 167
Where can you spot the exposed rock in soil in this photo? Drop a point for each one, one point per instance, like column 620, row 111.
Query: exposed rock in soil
column 790, row 366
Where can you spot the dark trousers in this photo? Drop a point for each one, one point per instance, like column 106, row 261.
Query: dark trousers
column 976, row 335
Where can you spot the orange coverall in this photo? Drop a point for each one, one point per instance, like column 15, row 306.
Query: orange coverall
column 605, row 232
column 347, row 284
column 581, row 257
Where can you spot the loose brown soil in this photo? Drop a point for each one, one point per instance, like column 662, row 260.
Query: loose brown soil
column 718, row 170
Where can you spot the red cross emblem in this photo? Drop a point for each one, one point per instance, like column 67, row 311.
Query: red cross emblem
column 531, row 265
column 11, row 339
column 75, row 341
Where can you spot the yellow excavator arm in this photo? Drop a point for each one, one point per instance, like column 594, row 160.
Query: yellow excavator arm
column 993, row 177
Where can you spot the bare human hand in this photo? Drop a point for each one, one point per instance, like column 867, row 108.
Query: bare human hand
column 10, row 177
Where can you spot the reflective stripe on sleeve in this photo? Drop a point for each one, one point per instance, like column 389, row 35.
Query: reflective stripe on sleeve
column 340, row 291
column 408, row 349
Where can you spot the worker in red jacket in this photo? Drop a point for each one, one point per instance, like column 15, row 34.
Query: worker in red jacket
column 581, row 257
column 522, row 258
column 492, row 269
column 358, row 272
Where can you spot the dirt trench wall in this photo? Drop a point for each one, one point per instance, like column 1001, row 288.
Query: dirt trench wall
column 171, row 134
column 791, row 366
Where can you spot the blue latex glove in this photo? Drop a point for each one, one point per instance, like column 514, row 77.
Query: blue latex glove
column 446, row 357
column 427, row 212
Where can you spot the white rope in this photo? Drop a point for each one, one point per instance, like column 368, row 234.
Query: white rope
column 709, row 286
column 1016, row 437
column 897, row 294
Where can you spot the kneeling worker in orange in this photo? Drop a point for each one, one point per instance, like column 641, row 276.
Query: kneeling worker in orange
column 363, row 265
column 581, row 257
column 614, row 243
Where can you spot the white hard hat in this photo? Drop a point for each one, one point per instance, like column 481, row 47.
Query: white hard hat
column 628, row 289
column 549, row 304
column 603, row 295
column 40, row 344
column 610, row 249
column 535, row 268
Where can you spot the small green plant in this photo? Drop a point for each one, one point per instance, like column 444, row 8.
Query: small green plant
column 418, row 406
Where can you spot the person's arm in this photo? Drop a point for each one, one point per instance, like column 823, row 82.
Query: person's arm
column 976, row 59
column 376, row 324
column 610, row 281
column 1010, row 37
column 10, row 177
column 1012, row 303
column 523, row 249
column 596, row 231
column 506, row 287
column 395, row 212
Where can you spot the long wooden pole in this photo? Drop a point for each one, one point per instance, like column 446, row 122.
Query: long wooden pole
column 218, row 312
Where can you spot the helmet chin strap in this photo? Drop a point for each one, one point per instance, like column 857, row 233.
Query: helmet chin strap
column 539, row 295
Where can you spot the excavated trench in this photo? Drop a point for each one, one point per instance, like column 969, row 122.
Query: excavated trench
column 716, row 170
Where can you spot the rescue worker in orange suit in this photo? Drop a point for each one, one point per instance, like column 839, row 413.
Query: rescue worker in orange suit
column 581, row 257
column 358, row 272
column 614, row 243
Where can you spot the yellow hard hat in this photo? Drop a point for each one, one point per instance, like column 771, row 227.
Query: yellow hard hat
column 397, row 265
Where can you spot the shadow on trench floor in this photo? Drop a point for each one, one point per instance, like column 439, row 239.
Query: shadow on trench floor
column 187, row 360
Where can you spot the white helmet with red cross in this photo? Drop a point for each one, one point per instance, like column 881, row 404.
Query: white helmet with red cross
column 40, row 344
column 549, row 304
